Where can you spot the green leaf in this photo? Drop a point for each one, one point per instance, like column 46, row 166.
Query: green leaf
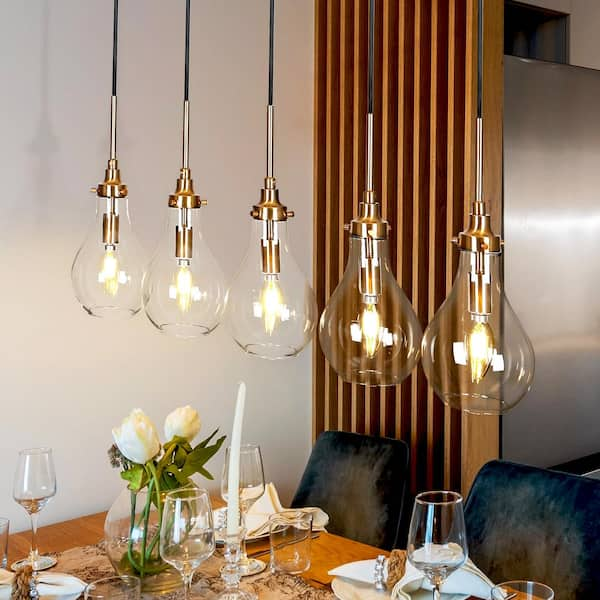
column 136, row 477
column 201, row 454
column 204, row 443
column 173, row 470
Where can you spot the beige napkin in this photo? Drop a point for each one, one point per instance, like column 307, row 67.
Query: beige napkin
column 50, row 584
column 257, row 519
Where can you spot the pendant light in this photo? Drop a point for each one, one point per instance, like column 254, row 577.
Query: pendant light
column 183, row 290
column 108, row 267
column 369, row 332
column 271, row 308
column 475, row 353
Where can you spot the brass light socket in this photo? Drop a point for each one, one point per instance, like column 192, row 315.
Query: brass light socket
column 369, row 223
column 480, row 295
column 110, row 228
column 271, row 263
column 183, row 242
column 269, row 207
column 112, row 186
column 184, row 196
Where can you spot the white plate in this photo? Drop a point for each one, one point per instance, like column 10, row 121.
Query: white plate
column 347, row 589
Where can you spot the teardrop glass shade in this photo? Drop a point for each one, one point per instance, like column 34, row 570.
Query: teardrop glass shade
column 184, row 298
column 107, row 278
column 478, row 364
column 365, row 341
column 271, row 315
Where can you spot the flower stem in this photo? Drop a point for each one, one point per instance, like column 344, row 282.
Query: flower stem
column 130, row 556
column 146, row 518
column 156, row 481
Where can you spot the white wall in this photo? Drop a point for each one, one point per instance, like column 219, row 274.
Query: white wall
column 583, row 24
column 66, row 378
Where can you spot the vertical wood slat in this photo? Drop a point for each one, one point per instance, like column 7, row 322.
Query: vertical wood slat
column 423, row 162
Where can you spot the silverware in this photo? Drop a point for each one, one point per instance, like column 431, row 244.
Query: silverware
column 378, row 575
column 268, row 550
column 513, row 595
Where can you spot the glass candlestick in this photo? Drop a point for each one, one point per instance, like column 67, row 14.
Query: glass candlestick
column 231, row 572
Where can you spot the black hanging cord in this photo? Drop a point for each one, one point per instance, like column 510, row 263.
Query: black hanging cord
column 480, row 60
column 115, row 43
column 271, row 43
column 186, row 84
column 371, row 65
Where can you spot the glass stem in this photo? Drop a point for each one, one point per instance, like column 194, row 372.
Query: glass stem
column 187, row 583
column 34, row 549
column 437, row 595
column 243, row 556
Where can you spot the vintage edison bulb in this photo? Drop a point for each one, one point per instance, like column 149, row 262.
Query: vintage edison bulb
column 370, row 339
column 107, row 277
column 482, row 364
column 184, row 297
column 271, row 315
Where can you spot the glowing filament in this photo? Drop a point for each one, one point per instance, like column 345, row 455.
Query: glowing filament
column 184, row 292
column 272, row 305
column 109, row 273
column 480, row 350
column 370, row 325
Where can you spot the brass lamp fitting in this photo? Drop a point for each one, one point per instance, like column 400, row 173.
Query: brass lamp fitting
column 184, row 196
column 369, row 224
column 112, row 186
column 110, row 228
column 270, row 211
column 482, row 241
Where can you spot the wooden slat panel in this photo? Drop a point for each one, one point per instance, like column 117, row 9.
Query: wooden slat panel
column 424, row 116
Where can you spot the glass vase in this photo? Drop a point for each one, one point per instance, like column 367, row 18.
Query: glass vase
column 132, row 531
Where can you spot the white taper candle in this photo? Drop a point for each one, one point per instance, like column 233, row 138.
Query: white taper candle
column 233, row 481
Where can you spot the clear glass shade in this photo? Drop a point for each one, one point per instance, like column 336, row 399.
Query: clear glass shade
column 271, row 315
column 185, row 296
column 478, row 363
column 107, row 278
column 369, row 331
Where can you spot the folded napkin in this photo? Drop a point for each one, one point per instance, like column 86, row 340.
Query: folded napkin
column 257, row 519
column 50, row 584
column 466, row 581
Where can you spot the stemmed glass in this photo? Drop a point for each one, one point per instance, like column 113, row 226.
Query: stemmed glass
column 34, row 487
column 187, row 535
column 437, row 539
column 252, row 487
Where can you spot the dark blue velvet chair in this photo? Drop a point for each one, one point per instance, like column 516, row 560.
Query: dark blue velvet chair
column 360, row 482
column 529, row 523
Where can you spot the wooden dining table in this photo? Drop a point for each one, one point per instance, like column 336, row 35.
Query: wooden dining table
column 327, row 551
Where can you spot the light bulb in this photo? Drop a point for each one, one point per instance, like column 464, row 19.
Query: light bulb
column 271, row 315
column 108, row 267
column 475, row 353
column 479, row 348
column 184, row 294
column 369, row 331
column 271, row 307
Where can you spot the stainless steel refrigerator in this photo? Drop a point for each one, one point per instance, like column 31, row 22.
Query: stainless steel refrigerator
column 552, row 255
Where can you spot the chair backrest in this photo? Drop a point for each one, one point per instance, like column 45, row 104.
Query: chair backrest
column 535, row 524
column 360, row 482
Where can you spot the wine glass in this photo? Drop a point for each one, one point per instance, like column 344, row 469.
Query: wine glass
column 437, row 539
column 252, row 487
column 187, row 535
column 34, row 487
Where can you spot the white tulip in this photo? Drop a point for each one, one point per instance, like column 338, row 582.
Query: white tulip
column 137, row 438
column 182, row 422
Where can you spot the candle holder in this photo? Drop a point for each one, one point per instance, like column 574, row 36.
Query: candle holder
column 231, row 571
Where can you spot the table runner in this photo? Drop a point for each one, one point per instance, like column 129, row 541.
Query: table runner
column 90, row 563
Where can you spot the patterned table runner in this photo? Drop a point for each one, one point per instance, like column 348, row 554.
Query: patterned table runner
column 90, row 563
